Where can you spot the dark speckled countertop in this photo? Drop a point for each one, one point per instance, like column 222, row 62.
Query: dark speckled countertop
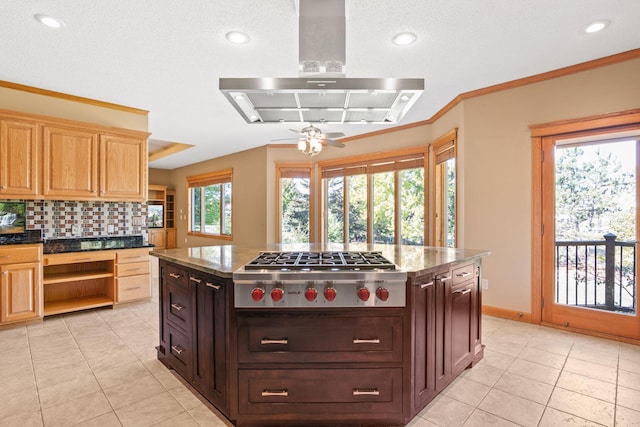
column 223, row 260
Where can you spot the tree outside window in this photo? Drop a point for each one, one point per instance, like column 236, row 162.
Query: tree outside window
column 210, row 205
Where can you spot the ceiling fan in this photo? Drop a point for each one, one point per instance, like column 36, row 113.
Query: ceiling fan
column 311, row 139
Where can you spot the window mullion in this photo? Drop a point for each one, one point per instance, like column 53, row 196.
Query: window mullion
column 369, row 208
column 397, row 229
column 345, row 207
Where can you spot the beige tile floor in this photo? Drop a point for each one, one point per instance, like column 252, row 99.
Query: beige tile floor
column 99, row 368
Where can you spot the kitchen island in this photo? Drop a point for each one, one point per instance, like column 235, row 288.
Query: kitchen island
column 369, row 365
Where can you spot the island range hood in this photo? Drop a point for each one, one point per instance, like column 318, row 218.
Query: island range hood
column 322, row 93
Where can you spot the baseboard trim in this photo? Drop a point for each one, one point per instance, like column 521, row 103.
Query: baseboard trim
column 503, row 313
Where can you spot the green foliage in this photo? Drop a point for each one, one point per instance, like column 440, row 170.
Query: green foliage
column 594, row 195
column 357, row 208
column 295, row 210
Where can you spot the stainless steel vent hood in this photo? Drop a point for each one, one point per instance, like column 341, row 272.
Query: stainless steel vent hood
column 322, row 94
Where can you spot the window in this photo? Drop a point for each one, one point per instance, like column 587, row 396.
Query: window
column 210, row 204
column 444, row 190
column 294, row 216
column 377, row 200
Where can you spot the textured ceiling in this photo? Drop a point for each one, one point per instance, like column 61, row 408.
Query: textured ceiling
column 166, row 56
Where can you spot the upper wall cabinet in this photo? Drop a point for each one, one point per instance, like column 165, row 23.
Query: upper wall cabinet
column 70, row 163
column 19, row 158
column 57, row 159
column 123, row 168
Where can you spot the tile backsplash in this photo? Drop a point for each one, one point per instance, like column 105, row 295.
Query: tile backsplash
column 56, row 218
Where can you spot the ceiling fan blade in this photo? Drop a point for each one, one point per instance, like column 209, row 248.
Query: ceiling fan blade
column 296, row 131
column 285, row 139
column 332, row 143
column 333, row 135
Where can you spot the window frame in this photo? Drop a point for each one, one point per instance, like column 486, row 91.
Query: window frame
column 369, row 165
column 443, row 149
column 297, row 170
column 203, row 180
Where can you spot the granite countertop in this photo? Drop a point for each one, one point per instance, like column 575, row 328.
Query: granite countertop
column 223, row 260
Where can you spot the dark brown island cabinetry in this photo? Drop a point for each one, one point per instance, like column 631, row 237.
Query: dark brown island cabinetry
column 194, row 329
column 330, row 366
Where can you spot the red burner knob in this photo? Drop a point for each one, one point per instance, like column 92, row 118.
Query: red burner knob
column 382, row 293
column 310, row 294
column 257, row 294
column 277, row 294
column 364, row 294
column 330, row 294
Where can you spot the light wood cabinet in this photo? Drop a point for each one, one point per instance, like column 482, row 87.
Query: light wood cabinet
column 133, row 280
column 19, row 154
column 123, row 168
column 57, row 159
column 78, row 281
column 20, row 283
column 163, row 199
column 70, row 167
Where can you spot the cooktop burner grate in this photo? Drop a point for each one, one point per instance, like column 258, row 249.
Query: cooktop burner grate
column 320, row 261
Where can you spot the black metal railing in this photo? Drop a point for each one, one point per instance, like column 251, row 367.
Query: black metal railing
column 597, row 274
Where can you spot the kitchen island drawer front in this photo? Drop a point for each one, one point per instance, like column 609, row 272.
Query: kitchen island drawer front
column 133, row 288
column 179, row 352
column 14, row 255
column 132, row 269
column 179, row 307
column 462, row 274
column 320, row 339
column 320, row 391
column 176, row 276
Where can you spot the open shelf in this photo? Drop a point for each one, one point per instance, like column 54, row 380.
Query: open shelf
column 52, row 278
column 75, row 304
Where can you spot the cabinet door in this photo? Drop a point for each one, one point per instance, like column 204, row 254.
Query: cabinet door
column 462, row 324
column 18, row 158
column 443, row 330
column 70, row 163
column 20, row 292
column 123, row 168
column 157, row 237
column 171, row 241
column 210, row 368
column 424, row 297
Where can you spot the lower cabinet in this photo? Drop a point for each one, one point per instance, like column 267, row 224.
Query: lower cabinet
column 20, row 283
column 194, row 328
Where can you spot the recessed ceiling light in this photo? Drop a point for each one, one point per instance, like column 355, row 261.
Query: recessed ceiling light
column 237, row 37
column 49, row 21
column 596, row 26
column 403, row 39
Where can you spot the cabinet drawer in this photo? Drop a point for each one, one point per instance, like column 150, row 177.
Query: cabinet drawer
column 13, row 254
column 179, row 306
column 132, row 255
column 320, row 339
column 320, row 391
column 77, row 257
column 179, row 352
column 462, row 274
column 176, row 276
column 134, row 287
column 132, row 269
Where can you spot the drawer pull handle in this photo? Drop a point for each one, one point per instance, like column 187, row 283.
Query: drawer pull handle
column 281, row 393
column 177, row 349
column 211, row 285
column 4, row 256
column 178, row 307
column 366, row 392
column 266, row 341
column 83, row 259
column 195, row 279
column 175, row 276
column 366, row 341
column 445, row 278
column 466, row 291
column 464, row 274
column 426, row 285
column 131, row 289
